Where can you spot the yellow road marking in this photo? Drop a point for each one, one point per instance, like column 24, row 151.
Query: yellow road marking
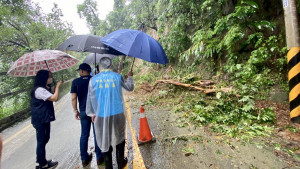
column 15, row 135
column 29, row 125
column 138, row 162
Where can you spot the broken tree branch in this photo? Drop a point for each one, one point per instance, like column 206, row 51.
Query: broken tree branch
column 186, row 85
column 148, row 88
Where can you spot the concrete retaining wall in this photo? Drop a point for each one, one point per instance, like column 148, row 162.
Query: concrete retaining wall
column 16, row 117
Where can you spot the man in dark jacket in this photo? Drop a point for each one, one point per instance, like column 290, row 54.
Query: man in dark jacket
column 79, row 91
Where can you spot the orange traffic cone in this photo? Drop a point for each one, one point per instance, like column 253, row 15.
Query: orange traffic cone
column 145, row 135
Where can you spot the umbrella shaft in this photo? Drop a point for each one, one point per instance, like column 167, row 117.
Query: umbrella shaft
column 132, row 64
column 47, row 65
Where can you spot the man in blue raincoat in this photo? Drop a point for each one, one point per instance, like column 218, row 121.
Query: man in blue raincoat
column 105, row 105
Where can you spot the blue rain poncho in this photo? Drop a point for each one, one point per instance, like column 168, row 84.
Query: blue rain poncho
column 105, row 101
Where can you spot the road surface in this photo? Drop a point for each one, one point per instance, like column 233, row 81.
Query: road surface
column 176, row 147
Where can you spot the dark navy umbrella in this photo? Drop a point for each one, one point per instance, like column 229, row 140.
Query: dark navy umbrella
column 136, row 44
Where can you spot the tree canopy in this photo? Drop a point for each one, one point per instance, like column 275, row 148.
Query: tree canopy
column 25, row 28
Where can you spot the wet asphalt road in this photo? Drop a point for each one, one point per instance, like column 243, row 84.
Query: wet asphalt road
column 20, row 142
column 167, row 152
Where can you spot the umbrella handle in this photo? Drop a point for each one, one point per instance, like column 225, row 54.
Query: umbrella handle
column 132, row 64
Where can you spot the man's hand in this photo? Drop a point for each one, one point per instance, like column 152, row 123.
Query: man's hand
column 93, row 118
column 77, row 116
column 130, row 73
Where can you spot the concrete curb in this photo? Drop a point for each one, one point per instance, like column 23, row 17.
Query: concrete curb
column 12, row 119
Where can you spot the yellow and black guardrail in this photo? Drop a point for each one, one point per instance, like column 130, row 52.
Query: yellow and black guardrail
column 293, row 59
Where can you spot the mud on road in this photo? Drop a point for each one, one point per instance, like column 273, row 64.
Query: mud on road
column 194, row 147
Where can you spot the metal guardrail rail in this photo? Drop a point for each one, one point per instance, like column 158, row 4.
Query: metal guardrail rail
column 21, row 115
column 3, row 73
column 12, row 119
column 13, row 93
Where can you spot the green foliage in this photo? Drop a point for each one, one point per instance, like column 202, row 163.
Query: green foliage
column 144, row 12
column 292, row 129
column 11, row 105
column 175, row 24
column 65, row 88
column 240, row 40
column 230, row 115
column 88, row 10
column 255, row 74
column 24, row 28
column 148, row 77
column 119, row 18
column 188, row 151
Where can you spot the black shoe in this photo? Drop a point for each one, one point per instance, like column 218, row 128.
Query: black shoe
column 123, row 163
column 100, row 161
column 50, row 165
column 87, row 161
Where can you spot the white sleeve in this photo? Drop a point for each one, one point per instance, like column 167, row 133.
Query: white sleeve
column 42, row 93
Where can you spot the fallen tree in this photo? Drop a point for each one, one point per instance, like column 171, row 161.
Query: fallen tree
column 206, row 86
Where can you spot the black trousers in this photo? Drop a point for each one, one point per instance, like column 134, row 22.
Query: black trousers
column 42, row 138
column 120, row 148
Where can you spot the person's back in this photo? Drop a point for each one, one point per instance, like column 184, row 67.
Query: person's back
column 106, row 106
column 79, row 90
column 80, row 86
column 109, row 92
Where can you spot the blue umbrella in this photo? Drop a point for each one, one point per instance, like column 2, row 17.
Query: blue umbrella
column 136, row 44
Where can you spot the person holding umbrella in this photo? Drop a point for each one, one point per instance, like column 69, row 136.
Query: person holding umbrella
column 79, row 90
column 42, row 113
column 105, row 105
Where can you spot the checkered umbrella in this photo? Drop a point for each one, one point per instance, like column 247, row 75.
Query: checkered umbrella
column 30, row 63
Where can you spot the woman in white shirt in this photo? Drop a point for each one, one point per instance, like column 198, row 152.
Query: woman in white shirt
column 42, row 113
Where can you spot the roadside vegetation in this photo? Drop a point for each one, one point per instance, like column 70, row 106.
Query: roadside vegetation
column 25, row 28
column 237, row 44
